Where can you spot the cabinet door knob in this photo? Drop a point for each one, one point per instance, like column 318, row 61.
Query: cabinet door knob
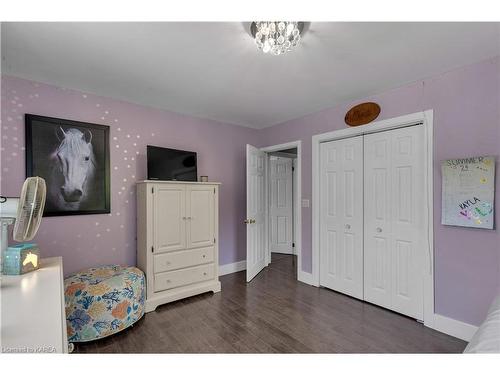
column 347, row 226
column 246, row 221
column 168, row 281
column 203, row 255
column 184, row 218
column 379, row 230
column 204, row 274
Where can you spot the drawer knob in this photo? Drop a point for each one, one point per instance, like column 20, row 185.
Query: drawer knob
column 204, row 274
column 168, row 281
column 203, row 256
column 167, row 263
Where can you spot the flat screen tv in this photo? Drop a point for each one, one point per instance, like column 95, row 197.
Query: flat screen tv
column 171, row 165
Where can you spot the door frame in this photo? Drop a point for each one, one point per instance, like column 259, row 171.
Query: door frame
column 426, row 119
column 297, row 210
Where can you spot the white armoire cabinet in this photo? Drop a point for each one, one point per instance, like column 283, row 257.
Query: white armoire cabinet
column 177, row 239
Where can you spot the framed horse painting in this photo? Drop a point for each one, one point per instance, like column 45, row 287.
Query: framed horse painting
column 73, row 158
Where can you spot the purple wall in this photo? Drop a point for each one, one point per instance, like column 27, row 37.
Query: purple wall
column 91, row 240
column 466, row 106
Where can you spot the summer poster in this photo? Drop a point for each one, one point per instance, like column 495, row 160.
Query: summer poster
column 469, row 192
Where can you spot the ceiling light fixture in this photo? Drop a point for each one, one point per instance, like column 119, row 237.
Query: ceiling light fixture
column 276, row 37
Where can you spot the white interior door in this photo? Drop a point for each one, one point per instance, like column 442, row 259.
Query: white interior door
column 341, row 216
column 169, row 205
column 200, row 217
column 281, row 205
column 255, row 221
column 394, row 220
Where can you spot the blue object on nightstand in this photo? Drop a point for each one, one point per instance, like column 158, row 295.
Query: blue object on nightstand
column 21, row 259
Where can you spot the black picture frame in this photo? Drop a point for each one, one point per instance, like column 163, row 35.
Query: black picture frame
column 38, row 130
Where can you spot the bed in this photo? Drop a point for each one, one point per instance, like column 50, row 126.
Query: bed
column 487, row 337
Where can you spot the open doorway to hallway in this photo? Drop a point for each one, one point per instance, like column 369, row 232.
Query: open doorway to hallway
column 281, row 219
column 273, row 205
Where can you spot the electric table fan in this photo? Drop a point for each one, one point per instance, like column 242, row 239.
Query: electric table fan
column 25, row 213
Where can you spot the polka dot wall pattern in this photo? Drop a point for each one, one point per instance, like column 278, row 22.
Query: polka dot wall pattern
column 89, row 240
column 124, row 148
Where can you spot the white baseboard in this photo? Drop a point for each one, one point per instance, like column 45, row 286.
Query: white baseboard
column 226, row 269
column 284, row 252
column 306, row 278
column 455, row 328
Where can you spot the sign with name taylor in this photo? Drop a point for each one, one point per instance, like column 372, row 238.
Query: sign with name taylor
column 469, row 192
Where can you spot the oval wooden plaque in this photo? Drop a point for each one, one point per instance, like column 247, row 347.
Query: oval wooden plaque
column 362, row 114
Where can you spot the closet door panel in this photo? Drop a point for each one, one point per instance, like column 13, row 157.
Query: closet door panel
column 377, row 219
column 394, row 213
column 330, row 217
column 408, row 210
column 341, row 229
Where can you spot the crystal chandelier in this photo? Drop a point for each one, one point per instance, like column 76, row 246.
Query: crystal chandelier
column 276, row 37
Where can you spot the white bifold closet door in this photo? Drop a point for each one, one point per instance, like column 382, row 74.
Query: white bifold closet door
column 341, row 228
column 394, row 209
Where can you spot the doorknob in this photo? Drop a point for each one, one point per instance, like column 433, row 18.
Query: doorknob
column 246, row 221
column 252, row 221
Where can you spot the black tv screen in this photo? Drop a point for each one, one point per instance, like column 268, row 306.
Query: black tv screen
column 172, row 165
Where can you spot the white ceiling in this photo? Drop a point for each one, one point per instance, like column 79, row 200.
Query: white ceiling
column 214, row 70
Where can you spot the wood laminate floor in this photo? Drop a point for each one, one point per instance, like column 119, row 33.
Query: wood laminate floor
column 274, row 314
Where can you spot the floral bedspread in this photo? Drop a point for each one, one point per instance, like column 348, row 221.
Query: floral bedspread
column 103, row 301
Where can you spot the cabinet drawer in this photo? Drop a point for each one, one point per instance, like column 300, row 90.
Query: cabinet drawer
column 175, row 279
column 183, row 259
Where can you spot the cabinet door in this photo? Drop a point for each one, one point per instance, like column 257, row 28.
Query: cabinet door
column 341, row 230
column 169, row 207
column 200, row 218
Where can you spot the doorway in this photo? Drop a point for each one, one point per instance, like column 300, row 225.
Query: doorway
column 280, row 201
column 273, row 206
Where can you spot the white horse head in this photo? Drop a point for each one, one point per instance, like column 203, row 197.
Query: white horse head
column 75, row 166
